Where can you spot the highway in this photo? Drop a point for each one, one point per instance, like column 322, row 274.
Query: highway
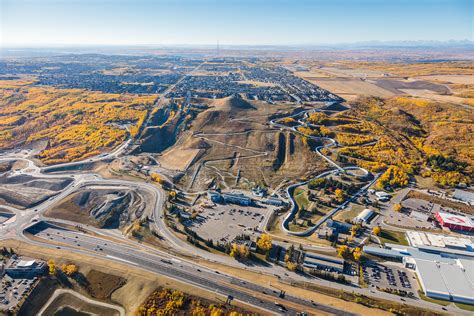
column 120, row 249
column 174, row 268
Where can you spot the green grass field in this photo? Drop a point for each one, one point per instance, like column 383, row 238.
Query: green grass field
column 393, row 237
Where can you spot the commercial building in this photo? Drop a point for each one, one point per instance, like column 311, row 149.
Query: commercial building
column 24, row 268
column 444, row 273
column 464, row 196
column 364, row 217
column 233, row 198
column 322, row 262
column 423, row 240
column 274, row 202
column 455, row 222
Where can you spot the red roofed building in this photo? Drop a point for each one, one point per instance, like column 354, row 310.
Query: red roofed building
column 455, row 222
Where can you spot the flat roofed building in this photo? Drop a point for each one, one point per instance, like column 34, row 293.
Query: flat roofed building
column 447, row 281
column 464, row 196
column 422, row 239
column 443, row 273
column 364, row 217
column 455, row 222
column 18, row 268
column 322, row 262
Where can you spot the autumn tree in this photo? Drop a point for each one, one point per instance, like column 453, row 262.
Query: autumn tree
column 291, row 266
column 342, row 250
column 51, row 267
column 377, row 230
column 264, row 242
column 397, row 207
column 357, row 253
column 172, row 195
column 340, row 195
column 156, row 178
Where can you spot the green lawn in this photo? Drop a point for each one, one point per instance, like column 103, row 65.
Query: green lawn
column 301, row 198
column 393, row 237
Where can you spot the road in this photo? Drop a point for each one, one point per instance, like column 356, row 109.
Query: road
column 330, row 142
column 131, row 253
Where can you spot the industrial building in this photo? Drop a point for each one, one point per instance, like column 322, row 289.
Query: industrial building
column 364, row 217
column 444, row 273
column 24, row 268
column 464, row 196
column 455, row 222
column 422, row 239
column 233, row 198
column 274, row 202
column 322, row 262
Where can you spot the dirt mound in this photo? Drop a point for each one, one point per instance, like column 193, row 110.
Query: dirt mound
column 221, row 111
column 232, row 103
column 102, row 208
column 24, row 191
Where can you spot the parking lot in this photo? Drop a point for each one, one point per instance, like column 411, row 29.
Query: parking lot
column 224, row 222
column 392, row 278
column 12, row 291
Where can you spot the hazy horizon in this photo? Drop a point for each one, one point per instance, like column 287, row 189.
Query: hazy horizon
column 232, row 23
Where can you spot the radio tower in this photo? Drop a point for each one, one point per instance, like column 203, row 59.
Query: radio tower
column 217, row 49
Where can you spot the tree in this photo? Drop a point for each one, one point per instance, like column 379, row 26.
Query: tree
column 397, row 207
column 172, row 195
column 156, row 178
column 342, row 250
column 264, row 242
column 357, row 253
column 339, row 195
column 51, row 266
column 291, row 266
column 377, row 230
column 71, row 269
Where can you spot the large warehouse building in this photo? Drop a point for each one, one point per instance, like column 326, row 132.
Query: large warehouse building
column 444, row 264
column 455, row 222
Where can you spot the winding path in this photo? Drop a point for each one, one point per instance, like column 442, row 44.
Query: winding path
column 329, row 142
column 120, row 310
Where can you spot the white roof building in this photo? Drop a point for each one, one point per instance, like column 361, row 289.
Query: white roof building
column 364, row 217
column 463, row 195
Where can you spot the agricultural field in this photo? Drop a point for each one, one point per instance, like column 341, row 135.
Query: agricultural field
column 449, row 82
column 74, row 124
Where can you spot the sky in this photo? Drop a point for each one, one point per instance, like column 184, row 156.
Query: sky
column 231, row 22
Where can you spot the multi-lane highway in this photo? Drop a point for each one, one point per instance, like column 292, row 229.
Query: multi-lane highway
column 112, row 246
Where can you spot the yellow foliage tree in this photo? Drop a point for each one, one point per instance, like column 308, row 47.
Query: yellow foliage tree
column 291, row 266
column 397, row 207
column 156, row 178
column 340, row 195
column 51, row 267
column 264, row 242
column 357, row 253
column 377, row 230
column 342, row 250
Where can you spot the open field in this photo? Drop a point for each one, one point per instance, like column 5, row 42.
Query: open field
column 350, row 88
column 459, row 79
column 178, row 159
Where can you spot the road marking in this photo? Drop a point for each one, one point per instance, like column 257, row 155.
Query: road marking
column 120, row 259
